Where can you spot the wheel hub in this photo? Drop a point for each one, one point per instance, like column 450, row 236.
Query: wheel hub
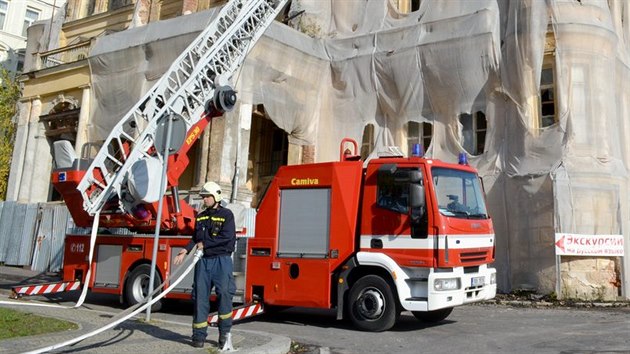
column 371, row 304
column 141, row 287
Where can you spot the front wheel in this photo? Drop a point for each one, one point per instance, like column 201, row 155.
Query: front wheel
column 137, row 286
column 433, row 316
column 371, row 304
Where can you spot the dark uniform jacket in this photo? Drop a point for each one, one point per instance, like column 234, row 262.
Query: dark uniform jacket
column 215, row 228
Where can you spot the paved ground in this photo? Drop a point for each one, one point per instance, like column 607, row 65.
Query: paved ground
column 132, row 336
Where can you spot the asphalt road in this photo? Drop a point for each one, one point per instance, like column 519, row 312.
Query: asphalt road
column 487, row 328
column 469, row 329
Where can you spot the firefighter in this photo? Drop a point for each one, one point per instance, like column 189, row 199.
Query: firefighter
column 215, row 234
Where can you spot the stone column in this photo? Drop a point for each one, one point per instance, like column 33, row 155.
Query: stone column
column 35, row 156
column 241, row 156
column 141, row 13
column 155, row 10
column 215, row 149
column 84, row 116
column 19, row 150
column 308, row 154
column 202, row 158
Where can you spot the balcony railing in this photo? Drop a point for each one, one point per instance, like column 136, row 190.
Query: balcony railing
column 67, row 54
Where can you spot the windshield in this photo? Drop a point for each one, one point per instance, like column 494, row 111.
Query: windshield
column 459, row 194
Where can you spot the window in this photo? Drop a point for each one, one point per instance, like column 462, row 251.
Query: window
column 367, row 141
column 31, row 16
column 406, row 6
column 20, row 64
column 473, row 132
column 116, row 4
column 459, row 194
column 547, row 97
column 393, row 188
column 4, row 7
column 419, row 133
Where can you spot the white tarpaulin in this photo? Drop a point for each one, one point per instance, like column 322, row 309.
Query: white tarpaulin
column 354, row 62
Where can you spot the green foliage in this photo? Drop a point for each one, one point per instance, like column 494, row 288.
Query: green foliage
column 19, row 324
column 9, row 95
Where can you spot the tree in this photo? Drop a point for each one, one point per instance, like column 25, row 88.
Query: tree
column 9, row 95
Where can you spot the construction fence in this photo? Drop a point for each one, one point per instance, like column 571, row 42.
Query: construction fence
column 32, row 235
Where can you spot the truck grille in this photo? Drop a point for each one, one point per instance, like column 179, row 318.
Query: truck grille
column 473, row 257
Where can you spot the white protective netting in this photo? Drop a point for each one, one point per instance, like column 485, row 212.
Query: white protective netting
column 363, row 62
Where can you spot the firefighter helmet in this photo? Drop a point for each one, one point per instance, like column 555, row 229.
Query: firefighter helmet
column 213, row 189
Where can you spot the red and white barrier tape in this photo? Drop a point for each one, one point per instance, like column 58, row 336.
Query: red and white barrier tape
column 48, row 288
column 240, row 313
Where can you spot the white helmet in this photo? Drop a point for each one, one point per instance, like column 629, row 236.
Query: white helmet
column 213, row 189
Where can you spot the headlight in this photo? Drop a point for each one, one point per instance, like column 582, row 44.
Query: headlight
column 446, row 284
column 493, row 278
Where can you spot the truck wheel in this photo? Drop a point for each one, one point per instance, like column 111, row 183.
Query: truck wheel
column 372, row 306
column 433, row 316
column 137, row 286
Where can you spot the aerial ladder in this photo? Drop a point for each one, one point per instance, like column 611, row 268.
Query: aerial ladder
column 194, row 90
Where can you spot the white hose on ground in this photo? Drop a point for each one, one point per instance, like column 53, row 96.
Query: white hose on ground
column 197, row 256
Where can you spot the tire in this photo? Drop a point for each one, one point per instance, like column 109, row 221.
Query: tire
column 137, row 286
column 371, row 304
column 433, row 316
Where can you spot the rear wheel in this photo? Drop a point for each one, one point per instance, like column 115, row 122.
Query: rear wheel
column 371, row 304
column 137, row 286
column 433, row 316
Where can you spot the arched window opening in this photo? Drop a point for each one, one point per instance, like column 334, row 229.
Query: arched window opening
column 419, row 133
column 547, row 107
column 474, row 128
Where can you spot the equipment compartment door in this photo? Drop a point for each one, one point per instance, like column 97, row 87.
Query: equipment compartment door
column 304, row 223
column 303, row 246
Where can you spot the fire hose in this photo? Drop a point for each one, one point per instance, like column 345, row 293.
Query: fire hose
column 192, row 258
column 134, row 310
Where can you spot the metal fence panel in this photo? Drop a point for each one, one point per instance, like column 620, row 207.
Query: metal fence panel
column 6, row 221
column 15, row 240
column 61, row 223
column 28, row 234
column 41, row 252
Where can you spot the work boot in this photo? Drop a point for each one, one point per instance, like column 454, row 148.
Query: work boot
column 225, row 341
column 197, row 343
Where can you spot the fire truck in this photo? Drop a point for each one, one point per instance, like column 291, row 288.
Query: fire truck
column 401, row 234
column 369, row 239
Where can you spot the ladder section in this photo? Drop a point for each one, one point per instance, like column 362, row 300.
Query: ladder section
column 196, row 77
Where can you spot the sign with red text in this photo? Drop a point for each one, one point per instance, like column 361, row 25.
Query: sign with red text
column 589, row 245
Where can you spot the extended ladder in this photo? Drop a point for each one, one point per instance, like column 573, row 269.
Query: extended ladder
column 192, row 80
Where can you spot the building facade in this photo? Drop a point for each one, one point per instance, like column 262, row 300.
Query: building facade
column 534, row 92
column 15, row 18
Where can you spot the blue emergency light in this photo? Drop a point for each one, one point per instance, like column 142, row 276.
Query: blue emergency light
column 416, row 150
column 462, row 159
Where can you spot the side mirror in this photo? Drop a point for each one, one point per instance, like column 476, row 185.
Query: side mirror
column 416, row 192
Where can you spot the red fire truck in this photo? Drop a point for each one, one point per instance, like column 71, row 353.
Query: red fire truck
column 400, row 234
